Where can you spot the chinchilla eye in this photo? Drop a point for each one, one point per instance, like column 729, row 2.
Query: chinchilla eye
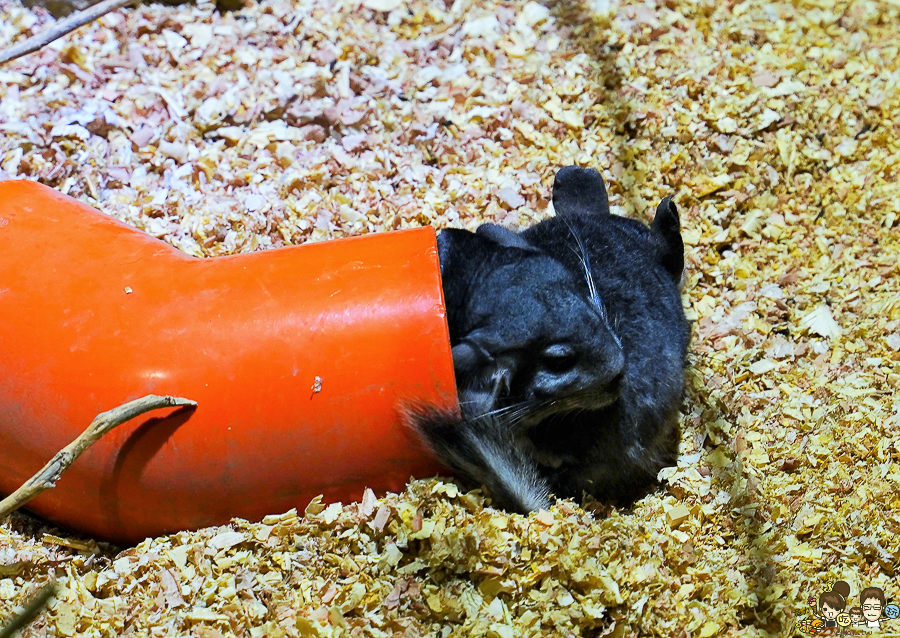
column 559, row 357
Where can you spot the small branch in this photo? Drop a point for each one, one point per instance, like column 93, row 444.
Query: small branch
column 47, row 477
column 61, row 28
column 32, row 608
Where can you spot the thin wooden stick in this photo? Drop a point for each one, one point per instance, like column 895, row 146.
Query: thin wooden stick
column 61, row 28
column 50, row 473
column 32, row 608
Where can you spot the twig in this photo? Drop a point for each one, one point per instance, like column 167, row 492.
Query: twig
column 61, row 28
column 32, row 608
column 50, row 473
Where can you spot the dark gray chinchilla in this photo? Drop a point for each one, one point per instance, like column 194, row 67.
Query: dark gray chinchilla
column 569, row 344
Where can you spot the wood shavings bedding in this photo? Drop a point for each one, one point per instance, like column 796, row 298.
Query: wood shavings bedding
column 776, row 124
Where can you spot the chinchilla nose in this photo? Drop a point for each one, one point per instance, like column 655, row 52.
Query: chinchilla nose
column 553, row 385
column 607, row 376
column 613, row 368
column 614, row 385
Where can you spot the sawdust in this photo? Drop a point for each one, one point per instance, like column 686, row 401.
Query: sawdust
column 775, row 124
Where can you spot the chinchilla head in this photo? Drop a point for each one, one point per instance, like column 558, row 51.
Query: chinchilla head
column 525, row 335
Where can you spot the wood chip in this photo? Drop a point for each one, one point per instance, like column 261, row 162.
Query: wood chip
column 776, row 126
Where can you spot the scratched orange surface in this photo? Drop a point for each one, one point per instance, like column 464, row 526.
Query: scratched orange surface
column 94, row 313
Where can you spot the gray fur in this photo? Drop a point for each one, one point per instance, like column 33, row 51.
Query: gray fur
column 569, row 344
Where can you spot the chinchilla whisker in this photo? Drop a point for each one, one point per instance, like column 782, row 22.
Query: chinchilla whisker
column 521, row 416
column 582, row 255
column 503, row 411
column 512, row 413
column 530, row 316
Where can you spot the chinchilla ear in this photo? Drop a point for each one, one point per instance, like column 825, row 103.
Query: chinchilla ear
column 579, row 190
column 666, row 233
column 453, row 244
column 469, row 357
column 502, row 236
column 465, row 358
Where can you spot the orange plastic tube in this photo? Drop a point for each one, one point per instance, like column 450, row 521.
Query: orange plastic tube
column 300, row 359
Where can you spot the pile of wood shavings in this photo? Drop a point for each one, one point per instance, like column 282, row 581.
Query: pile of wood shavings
column 777, row 126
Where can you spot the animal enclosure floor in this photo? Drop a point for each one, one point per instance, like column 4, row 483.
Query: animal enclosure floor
column 776, row 125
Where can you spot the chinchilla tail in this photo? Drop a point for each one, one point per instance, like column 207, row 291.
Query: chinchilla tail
column 483, row 451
